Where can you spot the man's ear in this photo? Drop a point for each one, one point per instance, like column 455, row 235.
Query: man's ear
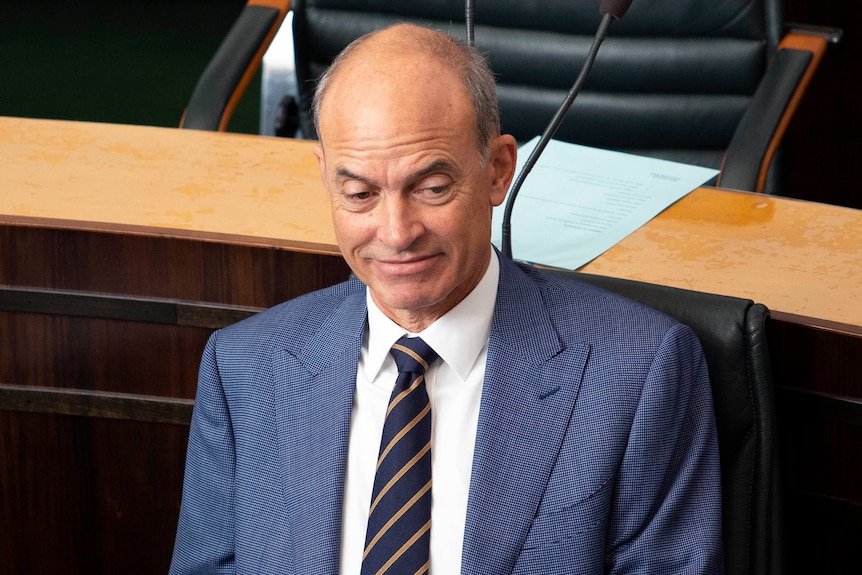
column 504, row 156
column 321, row 161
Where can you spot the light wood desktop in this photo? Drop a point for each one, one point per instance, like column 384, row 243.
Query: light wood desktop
column 122, row 247
column 798, row 258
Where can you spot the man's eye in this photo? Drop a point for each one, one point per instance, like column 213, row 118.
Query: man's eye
column 434, row 192
column 358, row 196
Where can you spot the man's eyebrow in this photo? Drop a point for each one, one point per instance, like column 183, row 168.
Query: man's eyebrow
column 343, row 173
column 446, row 166
column 434, row 167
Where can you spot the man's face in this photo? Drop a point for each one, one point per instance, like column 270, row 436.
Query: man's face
column 411, row 199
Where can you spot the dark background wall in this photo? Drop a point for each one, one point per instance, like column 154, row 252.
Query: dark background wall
column 824, row 143
column 137, row 61
column 122, row 61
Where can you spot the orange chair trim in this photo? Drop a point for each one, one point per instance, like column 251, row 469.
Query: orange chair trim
column 280, row 5
column 283, row 7
column 795, row 41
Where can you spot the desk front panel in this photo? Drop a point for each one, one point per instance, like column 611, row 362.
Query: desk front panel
column 89, row 493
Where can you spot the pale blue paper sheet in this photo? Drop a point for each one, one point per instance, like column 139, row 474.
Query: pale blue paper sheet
column 579, row 201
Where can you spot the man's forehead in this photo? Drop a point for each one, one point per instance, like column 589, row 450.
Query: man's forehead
column 379, row 71
column 367, row 114
column 389, row 63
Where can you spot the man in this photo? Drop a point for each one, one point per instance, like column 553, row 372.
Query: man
column 572, row 430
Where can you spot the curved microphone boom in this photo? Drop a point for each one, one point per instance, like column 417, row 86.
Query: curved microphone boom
column 611, row 11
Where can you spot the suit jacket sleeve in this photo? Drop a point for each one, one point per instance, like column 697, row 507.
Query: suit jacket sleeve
column 207, row 509
column 666, row 514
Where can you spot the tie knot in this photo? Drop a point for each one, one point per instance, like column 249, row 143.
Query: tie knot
column 412, row 355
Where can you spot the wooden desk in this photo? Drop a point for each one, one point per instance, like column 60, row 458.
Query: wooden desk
column 169, row 183
column 197, row 219
column 798, row 258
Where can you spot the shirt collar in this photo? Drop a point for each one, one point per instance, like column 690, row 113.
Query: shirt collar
column 458, row 337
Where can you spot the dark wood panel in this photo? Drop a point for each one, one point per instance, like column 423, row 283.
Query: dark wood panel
column 137, row 309
column 87, row 495
column 183, row 269
column 819, row 358
column 126, row 406
column 822, row 145
column 825, row 538
column 818, row 373
column 82, row 339
column 117, row 343
column 100, row 355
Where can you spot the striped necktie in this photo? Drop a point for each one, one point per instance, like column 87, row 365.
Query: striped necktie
column 399, row 521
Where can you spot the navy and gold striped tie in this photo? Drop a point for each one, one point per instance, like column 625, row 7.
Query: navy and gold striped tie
column 399, row 521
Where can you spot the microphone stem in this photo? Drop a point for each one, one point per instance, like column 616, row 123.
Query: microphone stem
column 607, row 20
column 469, row 12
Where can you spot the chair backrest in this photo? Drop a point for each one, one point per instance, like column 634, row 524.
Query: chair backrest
column 672, row 80
column 732, row 333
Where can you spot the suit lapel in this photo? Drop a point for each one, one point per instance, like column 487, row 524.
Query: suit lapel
column 531, row 383
column 314, row 396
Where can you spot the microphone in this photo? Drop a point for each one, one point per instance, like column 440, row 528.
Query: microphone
column 616, row 8
column 611, row 10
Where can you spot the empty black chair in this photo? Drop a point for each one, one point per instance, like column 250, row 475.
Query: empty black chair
column 707, row 83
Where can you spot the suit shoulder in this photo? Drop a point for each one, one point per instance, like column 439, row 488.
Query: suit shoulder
column 570, row 297
column 291, row 321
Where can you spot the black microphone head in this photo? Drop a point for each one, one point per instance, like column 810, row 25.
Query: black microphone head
column 616, row 8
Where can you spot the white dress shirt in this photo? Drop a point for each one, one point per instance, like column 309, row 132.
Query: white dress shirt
column 454, row 386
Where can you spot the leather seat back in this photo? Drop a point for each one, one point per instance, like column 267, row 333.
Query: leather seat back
column 672, row 80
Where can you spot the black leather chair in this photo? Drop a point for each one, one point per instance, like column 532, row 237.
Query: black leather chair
column 697, row 81
column 732, row 333
column 228, row 74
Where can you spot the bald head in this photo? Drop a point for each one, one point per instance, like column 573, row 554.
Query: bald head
column 393, row 56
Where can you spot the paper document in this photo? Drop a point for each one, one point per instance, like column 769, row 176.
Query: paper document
column 579, row 201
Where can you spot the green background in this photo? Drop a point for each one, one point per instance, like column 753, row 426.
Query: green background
column 130, row 62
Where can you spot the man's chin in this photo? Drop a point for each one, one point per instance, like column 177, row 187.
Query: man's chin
column 408, row 297
column 399, row 282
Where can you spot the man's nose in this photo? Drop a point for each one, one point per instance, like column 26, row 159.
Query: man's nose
column 400, row 223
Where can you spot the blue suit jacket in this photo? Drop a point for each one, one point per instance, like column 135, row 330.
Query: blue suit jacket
column 595, row 451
